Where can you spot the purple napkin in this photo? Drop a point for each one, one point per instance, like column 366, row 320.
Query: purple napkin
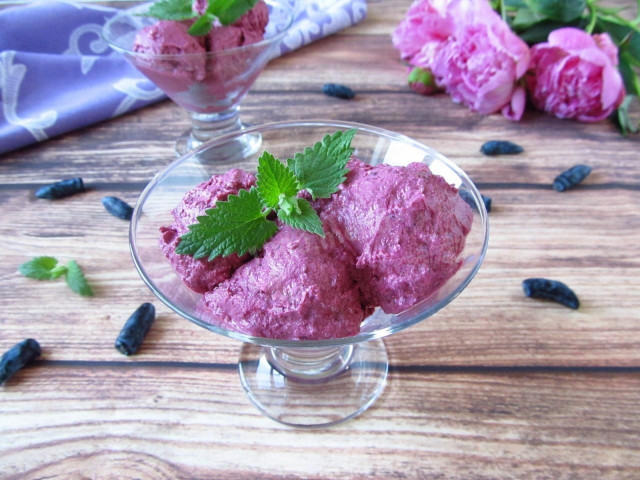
column 57, row 74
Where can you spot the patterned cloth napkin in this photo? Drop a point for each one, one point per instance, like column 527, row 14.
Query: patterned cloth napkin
column 57, row 74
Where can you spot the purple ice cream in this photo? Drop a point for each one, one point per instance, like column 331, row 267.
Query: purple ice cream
column 393, row 237
column 202, row 275
column 301, row 288
column 194, row 71
column 406, row 227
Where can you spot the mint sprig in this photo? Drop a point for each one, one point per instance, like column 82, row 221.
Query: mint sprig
column 241, row 224
column 238, row 225
column 321, row 168
column 225, row 11
column 47, row 268
column 171, row 10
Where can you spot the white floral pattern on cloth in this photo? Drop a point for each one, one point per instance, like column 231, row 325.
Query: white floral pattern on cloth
column 67, row 77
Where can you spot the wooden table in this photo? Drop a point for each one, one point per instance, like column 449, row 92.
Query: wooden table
column 495, row 386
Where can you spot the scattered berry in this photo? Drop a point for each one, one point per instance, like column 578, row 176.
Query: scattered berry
column 550, row 290
column 132, row 334
column 61, row 189
column 500, row 147
column 17, row 357
column 337, row 90
column 570, row 178
column 117, row 208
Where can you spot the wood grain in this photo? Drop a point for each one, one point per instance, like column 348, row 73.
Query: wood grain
column 495, row 386
column 177, row 423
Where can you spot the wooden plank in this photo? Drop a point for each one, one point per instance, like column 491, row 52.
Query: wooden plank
column 194, row 422
column 491, row 323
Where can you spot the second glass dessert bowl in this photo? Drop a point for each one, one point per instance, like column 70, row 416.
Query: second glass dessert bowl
column 208, row 85
column 307, row 383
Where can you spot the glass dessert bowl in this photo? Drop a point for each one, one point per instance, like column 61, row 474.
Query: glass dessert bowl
column 209, row 85
column 305, row 383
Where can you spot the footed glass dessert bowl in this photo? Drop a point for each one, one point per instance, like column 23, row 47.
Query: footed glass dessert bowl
column 209, row 85
column 303, row 383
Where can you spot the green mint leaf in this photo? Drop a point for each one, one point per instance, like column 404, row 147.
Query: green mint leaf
column 202, row 25
column 42, row 268
column 238, row 225
column 322, row 168
column 304, row 217
column 76, row 281
column 232, row 10
column 171, row 10
column 558, row 10
column 273, row 180
column 289, row 205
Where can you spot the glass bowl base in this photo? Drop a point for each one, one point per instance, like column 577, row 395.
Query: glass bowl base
column 240, row 147
column 306, row 387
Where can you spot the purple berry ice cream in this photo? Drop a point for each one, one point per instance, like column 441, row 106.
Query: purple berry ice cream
column 202, row 275
column 406, row 226
column 300, row 288
column 393, row 236
column 195, row 71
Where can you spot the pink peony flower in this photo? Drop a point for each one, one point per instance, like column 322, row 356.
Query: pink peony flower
column 480, row 64
column 471, row 52
column 424, row 28
column 574, row 75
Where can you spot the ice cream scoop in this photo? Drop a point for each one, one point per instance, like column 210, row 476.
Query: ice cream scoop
column 202, row 275
column 406, row 227
column 299, row 288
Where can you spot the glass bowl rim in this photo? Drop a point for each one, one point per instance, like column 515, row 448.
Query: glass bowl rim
column 271, row 342
column 171, row 56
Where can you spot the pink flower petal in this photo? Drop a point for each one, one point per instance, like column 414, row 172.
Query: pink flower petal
column 515, row 108
column 570, row 38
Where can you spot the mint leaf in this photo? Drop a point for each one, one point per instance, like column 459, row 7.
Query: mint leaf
column 273, row 180
column 322, row 168
column 202, row 25
column 171, row 10
column 238, row 225
column 42, row 268
column 76, row 281
column 233, row 10
column 302, row 217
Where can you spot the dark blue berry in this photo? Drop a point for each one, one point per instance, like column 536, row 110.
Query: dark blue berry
column 570, row 178
column 550, row 290
column 118, row 208
column 467, row 197
column 338, row 90
column 61, row 189
column 500, row 147
column 17, row 357
column 132, row 334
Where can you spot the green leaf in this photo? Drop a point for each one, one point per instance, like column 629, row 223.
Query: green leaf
column 171, row 10
column 202, row 25
column 235, row 10
column 288, row 205
column 274, row 179
column 238, row 225
column 540, row 31
column 42, row 268
column 303, row 218
column 559, row 10
column 629, row 75
column 621, row 116
column 525, row 18
column 322, row 168
column 76, row 281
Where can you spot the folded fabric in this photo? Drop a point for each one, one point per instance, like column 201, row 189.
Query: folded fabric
column 57, row 74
